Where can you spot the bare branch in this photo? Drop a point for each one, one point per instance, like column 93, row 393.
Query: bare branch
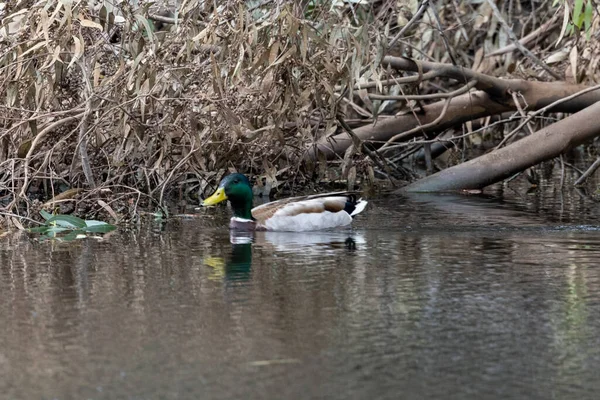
column 417, row 16
column 526, row 52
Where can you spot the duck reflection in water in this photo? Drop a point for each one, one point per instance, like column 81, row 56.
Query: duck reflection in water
column 240, row 262
column 237, row 267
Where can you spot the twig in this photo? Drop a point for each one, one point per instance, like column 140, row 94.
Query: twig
column 451, row 139
column 357, row 108
column 418, row 14
column 433, row 96
column 562, row 171
column 449, row 49
column 35, row 141
column 462, row 90
column 85, row 161
column 372, row 154
column 395, row 81
column 175, row 168
column 162, row 18
column 493, row 86
column 515, row 97
column 543, row 110
column 359, row 143
column 36, row 117
column 9, row 214
column 588, row 172
column 574, row 168
column 516, row 42
column 428, row 161
column 537, row 34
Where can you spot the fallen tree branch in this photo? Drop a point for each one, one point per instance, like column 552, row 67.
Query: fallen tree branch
column 494, row 99
column 394, row 81
column 452, row 139
column 544, row 109
column 434, row 96
column 494, row 86
column 588, row 172
column 500, row 164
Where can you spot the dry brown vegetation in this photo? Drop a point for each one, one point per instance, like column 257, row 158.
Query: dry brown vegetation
column 100, row 104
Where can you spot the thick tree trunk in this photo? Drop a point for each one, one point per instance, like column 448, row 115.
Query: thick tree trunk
column 543, row 145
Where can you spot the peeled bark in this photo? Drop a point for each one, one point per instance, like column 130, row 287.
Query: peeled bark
column 500, row 164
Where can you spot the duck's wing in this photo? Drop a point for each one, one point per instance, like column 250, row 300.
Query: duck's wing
column 298, row 205
column 309, row 212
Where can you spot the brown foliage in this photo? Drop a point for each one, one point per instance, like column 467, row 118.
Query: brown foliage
column 97, row 98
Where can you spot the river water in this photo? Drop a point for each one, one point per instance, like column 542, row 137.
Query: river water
column 445, row 297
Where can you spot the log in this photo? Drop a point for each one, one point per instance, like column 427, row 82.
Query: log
column 500, row 164
column 492, row 98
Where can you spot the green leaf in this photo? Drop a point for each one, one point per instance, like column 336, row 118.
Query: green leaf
column 49, row 235
column 38, row 229
column 98, row 227
column 46, row 215
column 56, row 229
column 158, row 216
column 92, row 222
column 588, row 15
column 149, row 29
column 67, row 221
column 577, row 16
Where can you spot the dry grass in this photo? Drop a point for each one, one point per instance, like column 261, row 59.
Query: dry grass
column 99, row 105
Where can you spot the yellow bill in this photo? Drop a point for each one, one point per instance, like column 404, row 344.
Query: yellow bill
column 216, row 198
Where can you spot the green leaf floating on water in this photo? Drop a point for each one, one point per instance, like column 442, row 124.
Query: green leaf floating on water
column 67, row 221
column 77, row 228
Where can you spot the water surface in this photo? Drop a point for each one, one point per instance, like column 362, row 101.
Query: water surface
column 424, row 297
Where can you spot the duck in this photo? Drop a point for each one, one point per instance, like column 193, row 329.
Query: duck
column 295, row 214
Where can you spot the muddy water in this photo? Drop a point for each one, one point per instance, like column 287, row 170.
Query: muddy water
column 425, row 297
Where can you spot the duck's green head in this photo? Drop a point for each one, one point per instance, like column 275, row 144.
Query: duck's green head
column 237, row 189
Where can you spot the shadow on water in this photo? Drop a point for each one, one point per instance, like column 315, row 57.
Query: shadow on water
column 425, row 296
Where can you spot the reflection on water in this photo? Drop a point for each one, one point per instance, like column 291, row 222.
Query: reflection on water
column 424, row 297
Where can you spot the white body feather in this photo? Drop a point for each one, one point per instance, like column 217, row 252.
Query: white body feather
column 307, row 222
column 292, row 217
column 360, row 206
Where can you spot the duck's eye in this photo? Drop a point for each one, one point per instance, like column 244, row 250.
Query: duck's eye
column 236, row 181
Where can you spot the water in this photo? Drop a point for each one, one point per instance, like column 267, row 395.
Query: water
column 432, row 297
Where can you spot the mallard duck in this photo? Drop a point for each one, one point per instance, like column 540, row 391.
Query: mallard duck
column 307, row 213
